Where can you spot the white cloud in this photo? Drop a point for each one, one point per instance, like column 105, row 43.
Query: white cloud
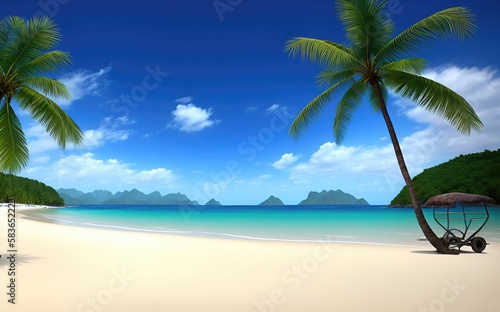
column 190, row 118
column 39, row 140
column 272, row 108
column 280, row 110
column 82, row 83
column 41, row 160
column 108, row 131
column 250, row 109
column 334, row 161
column 86, row 171
column 285, row 161
column 184, row 100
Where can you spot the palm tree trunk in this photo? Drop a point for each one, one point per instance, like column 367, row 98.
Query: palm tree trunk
column 426, row 229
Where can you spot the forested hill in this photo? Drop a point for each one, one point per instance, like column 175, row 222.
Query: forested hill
column 27, row 191
column 477, row 173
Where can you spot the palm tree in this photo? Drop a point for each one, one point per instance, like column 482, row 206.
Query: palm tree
column 25, row 58
column 373, row 62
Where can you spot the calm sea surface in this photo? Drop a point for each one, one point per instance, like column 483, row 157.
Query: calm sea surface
column 353, row 224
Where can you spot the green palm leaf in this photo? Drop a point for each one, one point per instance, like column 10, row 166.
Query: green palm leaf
column 313, row 109
column 410, row 65
column 346, row 107
column 50, row 62
column 56, row 122
column 37, row 35
column 435, row 98
column 331, row 78
column 326, row 54
column 14, row 150
column 453, row 22
column 9, row 30
column 367, row 28
column 25, row 59
column 47, row 86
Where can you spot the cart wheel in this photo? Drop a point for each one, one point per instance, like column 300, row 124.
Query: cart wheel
column 478, row 244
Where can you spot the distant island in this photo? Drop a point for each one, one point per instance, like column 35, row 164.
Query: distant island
column 331, row 197
column 133, row 197
column 213, row 202
column 477, row 173
column 136, row 197
column 272, row 201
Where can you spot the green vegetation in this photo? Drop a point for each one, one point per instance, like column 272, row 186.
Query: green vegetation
column 27, row 191
column 477, row 173
column 372, row 62
column 26, row 59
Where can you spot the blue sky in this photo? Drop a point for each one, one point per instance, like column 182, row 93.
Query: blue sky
column 196, row 97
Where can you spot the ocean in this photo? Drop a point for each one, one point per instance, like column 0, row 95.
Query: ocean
column 333, row 223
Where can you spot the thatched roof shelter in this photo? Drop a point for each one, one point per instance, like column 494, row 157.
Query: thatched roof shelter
column 451, row 200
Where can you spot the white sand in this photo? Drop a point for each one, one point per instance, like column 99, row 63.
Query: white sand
column 64, row 268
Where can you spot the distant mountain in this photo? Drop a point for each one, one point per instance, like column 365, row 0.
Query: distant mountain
column 71, row 192
column 88, row 199
column 70, row 201
column 272, row 201
column 101, row 195
column 213, row 202
column 332, row 198
column 132, row 197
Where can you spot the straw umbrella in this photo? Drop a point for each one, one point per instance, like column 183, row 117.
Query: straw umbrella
column 451, row 200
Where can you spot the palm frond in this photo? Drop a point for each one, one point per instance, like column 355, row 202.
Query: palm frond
column 55, row 121
column 435, row 98
column 346, row 107
column 455, row 22
column 47, row 86
column 340, row 46
column 14, row 150
column 330, row 78
column 367, row 28
column 10, row 27
column 410, row 65
column 49, row 62
column 313, row 109
column 330, row 56
column 38, row 35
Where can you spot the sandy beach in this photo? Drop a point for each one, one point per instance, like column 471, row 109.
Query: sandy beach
column 65, row 268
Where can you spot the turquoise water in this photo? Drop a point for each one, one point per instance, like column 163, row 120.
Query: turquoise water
column 353, row 224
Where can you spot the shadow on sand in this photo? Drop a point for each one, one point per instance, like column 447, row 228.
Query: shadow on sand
column 20, row 259
column 433, row 252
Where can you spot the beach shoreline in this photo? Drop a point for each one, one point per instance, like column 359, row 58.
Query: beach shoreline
column 67, row 268
column 23, row 207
